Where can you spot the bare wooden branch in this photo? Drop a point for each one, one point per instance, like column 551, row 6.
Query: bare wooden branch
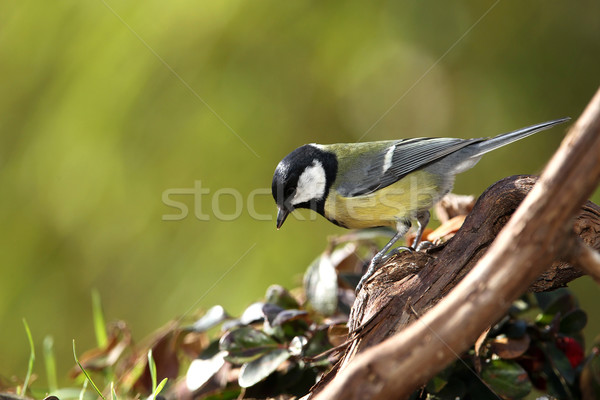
column 585, row 258
column 394, row 365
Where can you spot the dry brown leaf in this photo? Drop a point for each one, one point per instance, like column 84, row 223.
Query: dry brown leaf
column 447, row 229
column 453, row 205
column 164, row 345
column 480, row 341
column 410, row 238
column 193, row 343
column 337, row 334
column 119, row 339
column 510, row 348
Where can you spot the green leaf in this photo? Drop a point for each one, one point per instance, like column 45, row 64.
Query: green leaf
column 210, row 350
column 214, row 316
column 506, row 378
column 288, row 315
column 271, row 311
column 320, row 283
column 255, row 371
column 573, row 321
column 559, row 361
column 590, row 376
column 31, row 359
column 318, row 343
column 548, row 300
column 436, row 384
column 554, row 303
column 294, row 327
column 453, row 389
column 439, row 381
column 200, row 371
column 253, row 313
column 278, row 295
column 289, row 323
column 246, row 344
column 98, row 317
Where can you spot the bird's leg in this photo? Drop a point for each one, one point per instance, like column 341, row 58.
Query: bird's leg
column 422, row 221
column 395, row 251
column 402, row 228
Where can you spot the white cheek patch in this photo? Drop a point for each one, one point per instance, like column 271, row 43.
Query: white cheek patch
column 311, row 184
column 387, row 161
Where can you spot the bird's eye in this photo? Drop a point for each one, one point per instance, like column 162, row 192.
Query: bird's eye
column 289, row 192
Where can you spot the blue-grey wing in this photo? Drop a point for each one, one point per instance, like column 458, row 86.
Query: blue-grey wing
column 386, row 165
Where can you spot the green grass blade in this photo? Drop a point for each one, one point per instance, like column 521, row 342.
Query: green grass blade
column 50, row 362
column 159, row 388
column 31, row 359
column 99, row 323
column 155, row 388
column 86, row 374
column 152, row 367
column 82, row 393
column 113, row 393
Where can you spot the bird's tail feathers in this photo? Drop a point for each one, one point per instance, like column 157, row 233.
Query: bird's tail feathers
column 486, row 146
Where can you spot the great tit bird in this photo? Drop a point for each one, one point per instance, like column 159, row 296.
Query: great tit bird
column 384, row 183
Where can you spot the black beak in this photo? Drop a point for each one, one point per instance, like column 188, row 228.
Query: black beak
column 281, row 216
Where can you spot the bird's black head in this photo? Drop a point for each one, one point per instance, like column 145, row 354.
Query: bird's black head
column 302, row 180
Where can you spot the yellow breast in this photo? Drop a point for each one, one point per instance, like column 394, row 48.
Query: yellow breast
column 416, row 192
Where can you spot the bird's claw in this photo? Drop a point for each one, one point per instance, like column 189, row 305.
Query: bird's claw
column 397, row 250
column 424, row 245
column 376, row 261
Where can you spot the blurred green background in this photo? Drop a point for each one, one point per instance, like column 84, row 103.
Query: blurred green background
column 107, row 105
